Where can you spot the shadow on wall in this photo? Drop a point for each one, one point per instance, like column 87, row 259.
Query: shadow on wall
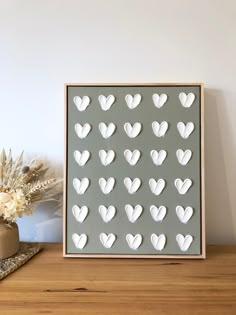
column 45, row 225
column 219, row 214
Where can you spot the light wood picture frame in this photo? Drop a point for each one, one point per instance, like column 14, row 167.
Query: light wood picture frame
column 132, row 215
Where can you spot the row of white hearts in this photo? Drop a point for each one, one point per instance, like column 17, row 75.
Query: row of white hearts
column 133, row 130
column 132, row 101
column 133, row 213
column 135, row 241
column 132, row 157
column 156, row 186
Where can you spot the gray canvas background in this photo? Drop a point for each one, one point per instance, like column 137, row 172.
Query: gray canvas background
column 145, row 113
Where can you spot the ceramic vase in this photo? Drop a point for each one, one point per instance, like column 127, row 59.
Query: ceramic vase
column 9, row 239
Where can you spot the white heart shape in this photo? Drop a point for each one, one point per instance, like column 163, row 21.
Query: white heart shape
column 183, row 186
column 106, row 102
column 107, row 213
column 133, row 101
column 81, row 103
column 107, row 130
column 159, row 130
column 186, row 100
column 107, row 185
column 159, row 100
column 132, row 131
column 81, row 185
column 183, row 157
column 134, row 241
column 158, row 157
column 184, row 242
column 107, row 240
column 185, row 130
column 132, row 157
column 157, row 186
column 82, row 130
column 81, row 158
column 132, row 185
column 158, row 242
column 133, row 213
column 158, row 214
column 184, row 215
column 80, row 213
column 106, row 157
column 79, row 240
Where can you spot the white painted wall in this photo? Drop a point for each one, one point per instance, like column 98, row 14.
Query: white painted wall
column 46, row 43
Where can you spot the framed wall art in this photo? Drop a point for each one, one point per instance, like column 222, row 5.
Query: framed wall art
column 134, row 170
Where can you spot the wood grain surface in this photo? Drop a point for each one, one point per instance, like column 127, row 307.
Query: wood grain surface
column 51, row 284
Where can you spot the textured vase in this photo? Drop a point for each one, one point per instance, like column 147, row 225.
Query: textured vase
column 9, row 239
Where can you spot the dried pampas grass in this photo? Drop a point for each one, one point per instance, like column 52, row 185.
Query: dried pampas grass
column 23, row 185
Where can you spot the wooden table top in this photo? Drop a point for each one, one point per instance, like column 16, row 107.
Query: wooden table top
column 51, row 284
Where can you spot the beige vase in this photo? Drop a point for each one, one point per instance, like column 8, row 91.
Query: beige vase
column 9, row 239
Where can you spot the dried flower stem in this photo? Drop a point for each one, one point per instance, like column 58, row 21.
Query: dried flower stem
column 22, row 187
